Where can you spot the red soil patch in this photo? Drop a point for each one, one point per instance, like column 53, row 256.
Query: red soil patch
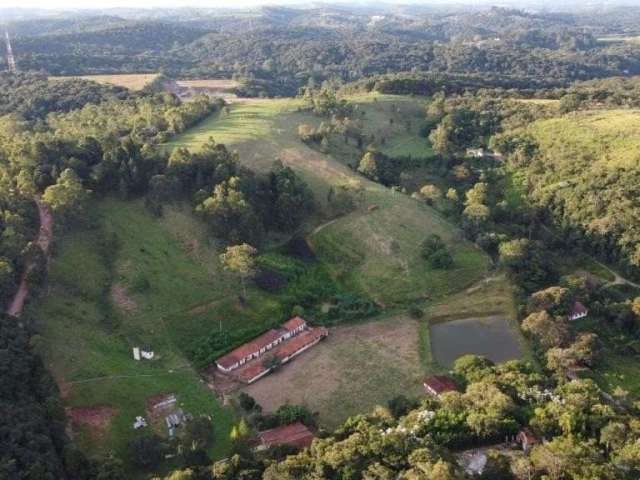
column 97, row 419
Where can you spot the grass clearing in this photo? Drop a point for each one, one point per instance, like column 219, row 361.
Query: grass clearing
column 618, row 364
column 211, row 84
column 609, row 136
column 87, row 341
column 133, row 81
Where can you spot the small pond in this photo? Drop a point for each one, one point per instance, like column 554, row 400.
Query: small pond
column 492, row 337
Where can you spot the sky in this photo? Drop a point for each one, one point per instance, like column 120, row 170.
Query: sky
column 93, row 4
column 99, row 4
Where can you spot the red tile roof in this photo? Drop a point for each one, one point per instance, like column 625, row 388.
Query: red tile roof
column 294, row 323
column 247, row 349
column 250, row 371
column 294, row 434
column 527, row 435
column 440, row 384
column 578, row 309
column 300, row 341
column 258, row 343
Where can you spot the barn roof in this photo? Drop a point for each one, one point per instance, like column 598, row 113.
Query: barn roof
column 248, row 348
column 295, row 322
column 440, row 384
column 295, row 434
column 300, row 341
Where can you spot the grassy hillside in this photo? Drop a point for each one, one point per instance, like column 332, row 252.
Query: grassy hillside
column 587, row 173
column 608, row 137
column 373, row 250
column 116, row 286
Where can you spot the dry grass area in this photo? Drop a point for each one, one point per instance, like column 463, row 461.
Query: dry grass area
column 490, row 296
column 213, row 84
column 354, row 369
column 133, row 81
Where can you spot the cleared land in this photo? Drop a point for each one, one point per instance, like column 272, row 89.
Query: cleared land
column 611, row 136
column 370, row 251
column 373, row 252
column 354, row 369
column 213, row 84
column 86, row 332
column 135, row 81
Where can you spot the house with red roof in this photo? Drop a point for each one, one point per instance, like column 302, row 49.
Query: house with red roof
column 294, row 435
column 578, row 311
column 436, row 385
column 527, row 439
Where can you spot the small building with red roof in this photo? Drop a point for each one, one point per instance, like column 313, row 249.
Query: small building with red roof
column 527, row 439
column 436, row 385
column 294, row 435
column 578, row 311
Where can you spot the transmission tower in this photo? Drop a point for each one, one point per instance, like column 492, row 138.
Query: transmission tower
column 11, row 60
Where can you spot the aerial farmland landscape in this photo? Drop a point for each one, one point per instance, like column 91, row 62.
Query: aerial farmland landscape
column 351, row 241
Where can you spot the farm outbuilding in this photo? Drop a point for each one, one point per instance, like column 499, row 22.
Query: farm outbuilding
column 436, row 385
column 295, row 435
column 260, row 345
column 578, row 311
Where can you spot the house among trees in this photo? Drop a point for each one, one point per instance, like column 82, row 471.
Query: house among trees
column 294, row 435
column 578, row 311
column 436, row 385
column 483, row 153
column 260, row 345
column 527, row 439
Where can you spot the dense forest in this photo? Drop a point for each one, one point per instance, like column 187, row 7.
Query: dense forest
column 278, row 50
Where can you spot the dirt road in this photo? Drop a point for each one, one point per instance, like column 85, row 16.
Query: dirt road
column 45, row 235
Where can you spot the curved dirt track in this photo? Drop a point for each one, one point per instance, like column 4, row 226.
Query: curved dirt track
column 43, row 240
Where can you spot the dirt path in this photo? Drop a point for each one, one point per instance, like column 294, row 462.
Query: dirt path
column 617, row 280
column 45, row 234
column 324, row 225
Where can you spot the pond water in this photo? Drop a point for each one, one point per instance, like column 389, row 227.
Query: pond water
column 492, row 337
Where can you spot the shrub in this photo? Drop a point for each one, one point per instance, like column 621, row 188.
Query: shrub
column 432, row 244
column 441, row 259
column 246, row 401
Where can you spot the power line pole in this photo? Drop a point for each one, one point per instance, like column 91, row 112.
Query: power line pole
column 11, row 60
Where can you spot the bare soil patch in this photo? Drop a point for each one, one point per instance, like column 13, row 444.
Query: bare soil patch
column 96, row 419
column 354, row 369
column 214, row 84
column 121, row 299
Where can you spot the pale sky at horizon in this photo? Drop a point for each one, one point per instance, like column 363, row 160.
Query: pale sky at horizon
column 100, row 4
